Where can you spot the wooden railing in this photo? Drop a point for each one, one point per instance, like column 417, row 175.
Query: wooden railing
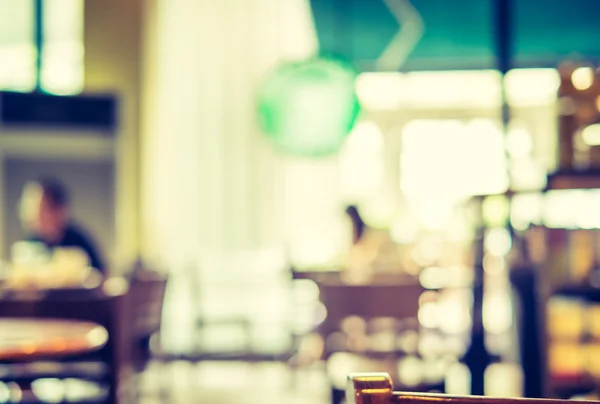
column 377, row 388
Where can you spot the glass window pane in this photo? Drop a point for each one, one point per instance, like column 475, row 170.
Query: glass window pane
column 62, row 64
column 452, row 158
column 17, row 50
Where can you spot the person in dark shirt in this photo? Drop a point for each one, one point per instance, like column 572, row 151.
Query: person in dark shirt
column 46, row 219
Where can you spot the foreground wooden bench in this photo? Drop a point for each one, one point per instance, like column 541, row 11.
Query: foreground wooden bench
column 377, row 388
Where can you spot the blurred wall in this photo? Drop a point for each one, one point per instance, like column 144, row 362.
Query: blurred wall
column 113, row 64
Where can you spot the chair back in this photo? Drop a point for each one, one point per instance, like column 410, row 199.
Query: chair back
column 395, row 300
column 377, row 388
column 146, row 297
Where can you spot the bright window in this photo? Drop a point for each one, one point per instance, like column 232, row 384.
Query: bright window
column 62, row 50
column 17, row 50
column 452, row 158
column 62, row 65
column 361, row 162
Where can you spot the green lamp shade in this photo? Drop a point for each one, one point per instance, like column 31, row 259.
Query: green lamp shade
column 308, row 108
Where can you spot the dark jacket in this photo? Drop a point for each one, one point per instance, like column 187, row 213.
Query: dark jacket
column 76, row 237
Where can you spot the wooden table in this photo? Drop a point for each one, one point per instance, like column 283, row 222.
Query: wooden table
column 25, row 339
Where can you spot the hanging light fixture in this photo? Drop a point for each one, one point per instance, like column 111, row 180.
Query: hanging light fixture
column 308, row 108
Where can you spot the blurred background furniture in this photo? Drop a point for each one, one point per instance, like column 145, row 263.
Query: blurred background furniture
column 513, row 113
column 26, row 343
column 203, row 323
column 108, row 366
column 29, row 339
column 372, row 325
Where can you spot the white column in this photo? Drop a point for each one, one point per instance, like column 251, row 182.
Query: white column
column 215, row 194
column 211, row 182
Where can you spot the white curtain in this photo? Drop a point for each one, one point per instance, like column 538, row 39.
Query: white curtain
column 216, row 198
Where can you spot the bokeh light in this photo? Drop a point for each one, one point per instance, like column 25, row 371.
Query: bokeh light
column 447, row 170
column 458, row 379
column 361, row 161
column 408, row 342
column 525, row 209
column 498, row 242
column 519, row 143
column 428, row 315
column 582, row 78
column 454, row 316
column 435, row 277
column 532, row 87
column 381, row 91
column 561, row 208
column 410, row 371
column 591, row 135
column 433, row 214
column 405, row 229
column 497, row 312
column 495, row 210
column 379, row 210
column 431, row 345
column 503, row 380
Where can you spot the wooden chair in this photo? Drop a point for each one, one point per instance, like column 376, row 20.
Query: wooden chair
column 144, row 303
column 392, row 299
column 198, row 352
column 377, row 388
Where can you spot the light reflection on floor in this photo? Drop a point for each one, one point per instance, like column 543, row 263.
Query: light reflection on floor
column 233, row 382
column 265, row 383
column 259, row 383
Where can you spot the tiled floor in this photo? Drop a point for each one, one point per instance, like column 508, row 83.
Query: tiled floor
column 235, row 383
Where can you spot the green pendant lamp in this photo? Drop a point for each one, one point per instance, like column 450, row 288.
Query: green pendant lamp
column 308, row 108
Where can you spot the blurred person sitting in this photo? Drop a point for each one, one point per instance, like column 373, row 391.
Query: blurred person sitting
column 358, row 225
column 373, row 249
column 46, row 219
column 363, row 251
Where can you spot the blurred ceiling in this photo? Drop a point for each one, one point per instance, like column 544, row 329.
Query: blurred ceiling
column 459, row 34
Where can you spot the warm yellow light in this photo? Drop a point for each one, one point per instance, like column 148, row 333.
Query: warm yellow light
column 453, row 315
column 527, row 87
column 361, row 162
column 428, row 315
column 525, row 209
column 562, row 208
column 591, row 135
column 379, row 210
column 404, row 229
column 391, row 91
column 410, row 370
column 598, row 103
column 428, row 172
column 582, row 78
column 458, row 379
column 381, row 91
column 452, row 89
column 519, row 143
column 366, row 136
column 503, row 380
column 498, row 242
column 497, row 313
